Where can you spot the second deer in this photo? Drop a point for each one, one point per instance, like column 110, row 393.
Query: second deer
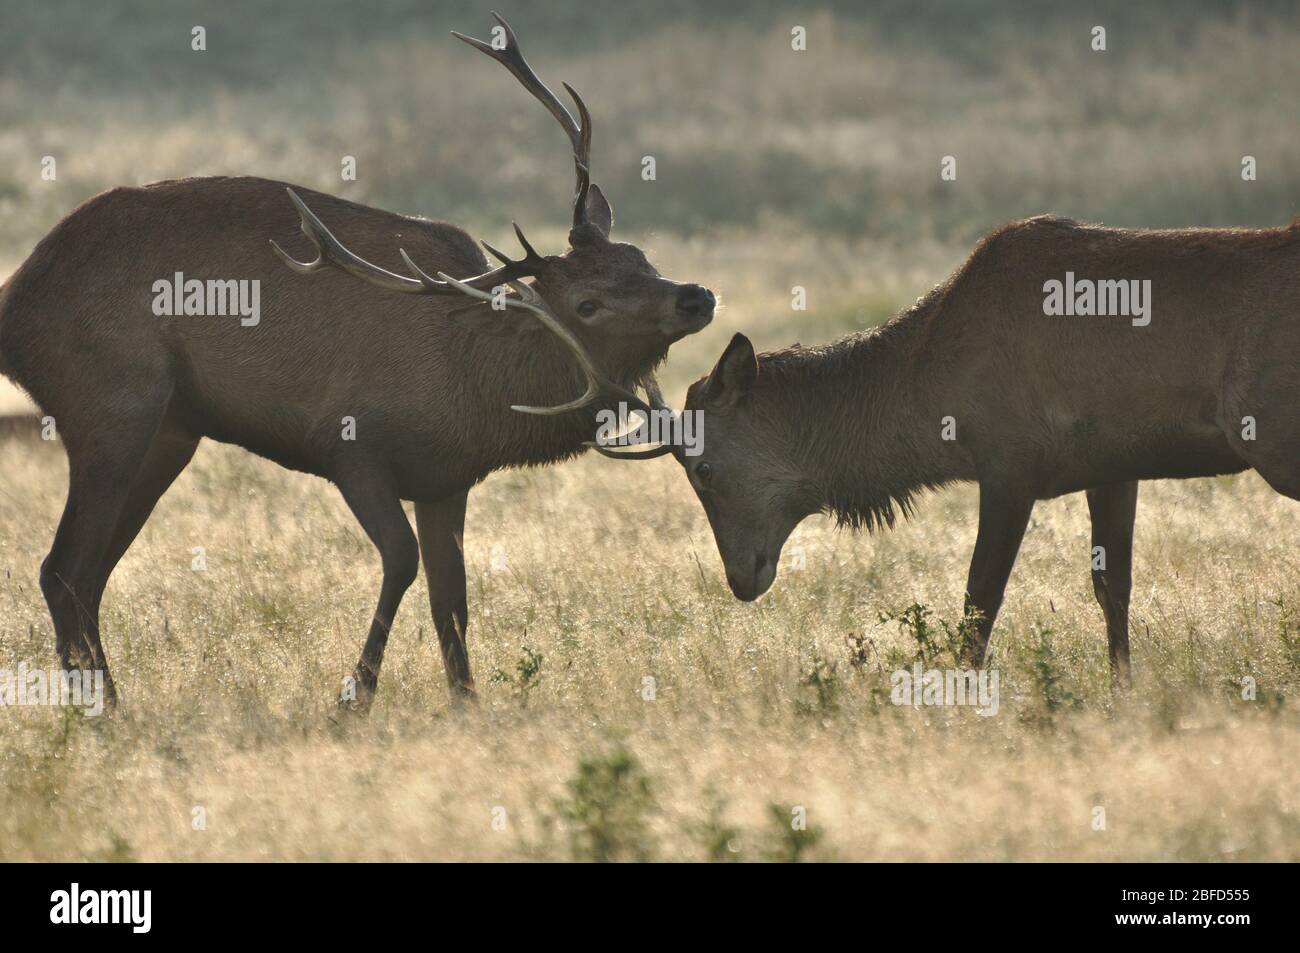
column 988, row 379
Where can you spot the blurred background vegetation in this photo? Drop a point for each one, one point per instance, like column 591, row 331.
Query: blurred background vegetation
column 774, row 167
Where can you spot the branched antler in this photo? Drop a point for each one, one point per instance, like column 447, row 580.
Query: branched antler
column 331, row 251
column 597, row 385
column 579, row 132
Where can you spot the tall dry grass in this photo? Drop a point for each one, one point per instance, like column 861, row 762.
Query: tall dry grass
column 610, row 576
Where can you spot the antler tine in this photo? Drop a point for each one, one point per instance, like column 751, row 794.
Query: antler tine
column 427, row 282
column 512, row 58
column 510, row 270
column 661, row 450
column 581, row 158
column 656, row 396
column 651, row 385
column 498, row 255
column 330, row 251
column 528, row 249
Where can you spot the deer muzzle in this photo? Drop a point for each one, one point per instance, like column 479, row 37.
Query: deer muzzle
column 749, row 583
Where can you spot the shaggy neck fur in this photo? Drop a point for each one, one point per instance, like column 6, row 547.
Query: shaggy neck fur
column 529, row 365
column 862, row 419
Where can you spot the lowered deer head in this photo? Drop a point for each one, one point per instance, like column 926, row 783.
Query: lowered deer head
column 753, row 491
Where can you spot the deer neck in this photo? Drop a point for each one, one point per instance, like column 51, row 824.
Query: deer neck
column 539, row 370
column 867, row 427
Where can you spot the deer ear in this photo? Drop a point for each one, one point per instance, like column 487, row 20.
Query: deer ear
column 734, row 374
column 587, row 235
column 599, row 213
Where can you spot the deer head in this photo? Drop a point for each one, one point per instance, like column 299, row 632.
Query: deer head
column 752, row 491
column 605, row 292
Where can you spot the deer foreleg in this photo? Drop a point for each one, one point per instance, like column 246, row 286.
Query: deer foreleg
column 441, row 527
column 1113, row 509
column 1004, row 514
column 378, row 509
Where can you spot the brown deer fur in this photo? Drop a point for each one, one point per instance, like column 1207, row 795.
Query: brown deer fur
column 1042, row 405
column 430, row 390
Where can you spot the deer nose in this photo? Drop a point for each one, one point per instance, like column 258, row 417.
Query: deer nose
column 749, row 587
column 695, row 302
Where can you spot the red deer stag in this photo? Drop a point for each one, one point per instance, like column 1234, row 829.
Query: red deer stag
column 986, row 378
column 403, row 393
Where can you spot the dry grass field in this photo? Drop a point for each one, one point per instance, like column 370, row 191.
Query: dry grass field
column 589, row 579
column 598, row 578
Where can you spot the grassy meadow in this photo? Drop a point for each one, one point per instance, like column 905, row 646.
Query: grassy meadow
column 630, row 707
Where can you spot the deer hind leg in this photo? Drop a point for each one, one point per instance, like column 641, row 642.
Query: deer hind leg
column 378, row 509
column 441, row 527
column 1004, row 515
column 101, row 472
column 168, row 455
column 1114, row 508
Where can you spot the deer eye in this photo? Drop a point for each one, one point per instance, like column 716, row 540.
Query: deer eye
column 704, row 473
column 587, row 308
